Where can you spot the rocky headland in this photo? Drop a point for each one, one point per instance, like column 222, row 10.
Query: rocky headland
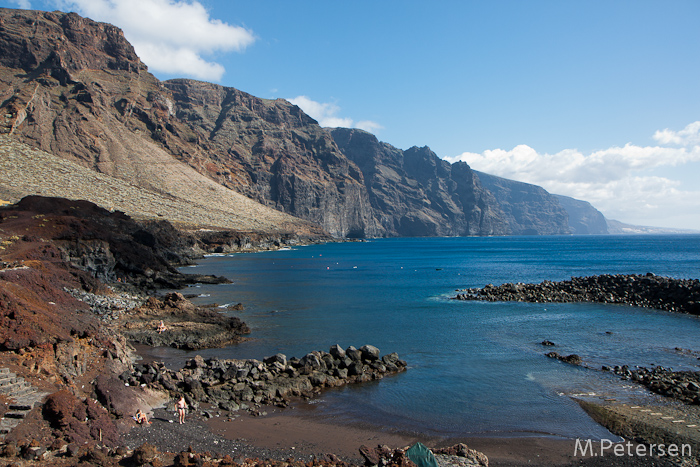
column 185, row 325
column 649, row 291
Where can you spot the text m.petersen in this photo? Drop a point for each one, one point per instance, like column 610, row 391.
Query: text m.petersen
column 605, row 447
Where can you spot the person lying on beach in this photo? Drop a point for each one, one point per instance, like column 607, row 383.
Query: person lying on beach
column 141, row 418
column 161, row 327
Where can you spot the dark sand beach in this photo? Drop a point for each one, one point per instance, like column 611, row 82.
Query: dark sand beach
column 290, row 433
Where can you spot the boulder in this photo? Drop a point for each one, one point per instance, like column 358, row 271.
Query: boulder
column 318, row 379
column 355, row 369
column 390, row 358
column 144, row 454
column 337, row 352
column 369, row 352
column 353, row 353
column 312, row 362
column 277, row 358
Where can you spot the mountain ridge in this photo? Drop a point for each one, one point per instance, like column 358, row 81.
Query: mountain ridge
column 76, row 89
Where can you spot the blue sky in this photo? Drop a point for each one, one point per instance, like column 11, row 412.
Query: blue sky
column 597, row 100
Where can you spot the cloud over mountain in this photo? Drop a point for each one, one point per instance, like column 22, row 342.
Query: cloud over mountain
column 170, row 36
column 326, row 114
column 623, row 182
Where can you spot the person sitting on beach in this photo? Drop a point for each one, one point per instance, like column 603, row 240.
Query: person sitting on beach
column 181, row 407
column 161, row 327
column 141, row 418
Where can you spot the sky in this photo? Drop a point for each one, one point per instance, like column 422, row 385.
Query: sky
column 597, row 100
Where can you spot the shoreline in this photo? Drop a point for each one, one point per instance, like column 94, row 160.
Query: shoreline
column 94, row 356
column 294, row 432
column 284, row 434
column 280, row 435
column 309, row 435
column 297, row 432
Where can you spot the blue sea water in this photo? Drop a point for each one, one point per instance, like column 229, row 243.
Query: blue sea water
column 475, row 368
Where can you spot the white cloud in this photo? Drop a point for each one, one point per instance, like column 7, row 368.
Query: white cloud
column 687, row 136
column 171, row 36
column 368, row 125
column 326, row 115
column 622, row 182
column 24, row 4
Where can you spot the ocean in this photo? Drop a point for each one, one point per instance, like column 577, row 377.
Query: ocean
column 475, row 368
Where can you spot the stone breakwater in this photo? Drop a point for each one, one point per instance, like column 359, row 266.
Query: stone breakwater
column 680, row 385
column 234, row 384
column 649, row 291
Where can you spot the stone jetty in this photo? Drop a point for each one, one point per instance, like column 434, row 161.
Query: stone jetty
column 234, row 384
column 649, row 291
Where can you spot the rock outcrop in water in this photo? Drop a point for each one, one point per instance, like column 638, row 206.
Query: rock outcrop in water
column 649, row 291
column 681, row 385
column 187, row 326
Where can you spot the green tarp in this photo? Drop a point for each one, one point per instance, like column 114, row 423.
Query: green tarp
column 421, row 456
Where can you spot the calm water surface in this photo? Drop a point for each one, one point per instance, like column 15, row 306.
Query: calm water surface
column 475, row 368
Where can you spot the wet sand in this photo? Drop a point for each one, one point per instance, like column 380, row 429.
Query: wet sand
column 292, row 430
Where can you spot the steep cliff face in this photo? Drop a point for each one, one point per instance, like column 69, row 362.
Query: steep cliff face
column 273, row 152
column 584, row 219
column 414, row 193
column 60, row 75
column 75, row 88
column 529, row 209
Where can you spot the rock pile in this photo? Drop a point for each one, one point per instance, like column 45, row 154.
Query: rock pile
column 239, row 384
column 107, row 307
column 680, row 385
column 649, row 291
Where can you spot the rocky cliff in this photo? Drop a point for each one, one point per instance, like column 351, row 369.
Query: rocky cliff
column 272, row 152
column 415, row 193
column 584, row 219
column 528, row 209
column 75, row 88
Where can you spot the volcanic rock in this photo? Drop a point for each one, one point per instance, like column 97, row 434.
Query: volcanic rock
column 649, row 291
